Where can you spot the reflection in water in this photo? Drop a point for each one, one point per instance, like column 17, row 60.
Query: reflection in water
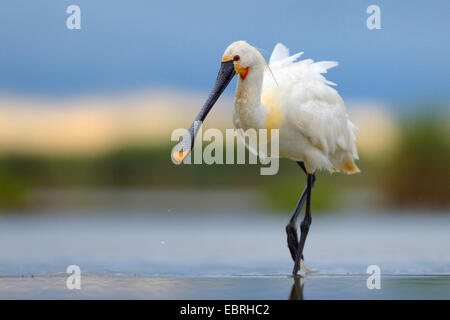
column 297, row 289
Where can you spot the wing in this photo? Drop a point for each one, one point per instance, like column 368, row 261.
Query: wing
column 280, row 52
column 326, row 125
column 283, row 70
column 316, row 109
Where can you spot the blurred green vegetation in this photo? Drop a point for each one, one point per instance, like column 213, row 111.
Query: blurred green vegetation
column 417, row 173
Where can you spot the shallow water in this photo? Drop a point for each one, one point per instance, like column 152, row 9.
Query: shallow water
column 310, row 287
column 222, row 256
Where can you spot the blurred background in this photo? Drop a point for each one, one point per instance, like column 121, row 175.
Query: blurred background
column 86, row 115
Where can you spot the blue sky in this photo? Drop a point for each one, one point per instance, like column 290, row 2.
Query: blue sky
column 134, row 45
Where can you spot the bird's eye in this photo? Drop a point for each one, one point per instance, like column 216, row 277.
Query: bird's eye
column 236, row 58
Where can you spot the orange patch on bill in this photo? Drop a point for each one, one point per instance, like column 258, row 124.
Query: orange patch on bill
column 180, row 155
column 227, row 58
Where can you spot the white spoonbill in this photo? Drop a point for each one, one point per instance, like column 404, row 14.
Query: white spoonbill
column 294, row 97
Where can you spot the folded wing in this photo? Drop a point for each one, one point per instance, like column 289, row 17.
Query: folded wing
column 317, row 109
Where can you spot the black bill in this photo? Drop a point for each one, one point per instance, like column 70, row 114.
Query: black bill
column 184, row 147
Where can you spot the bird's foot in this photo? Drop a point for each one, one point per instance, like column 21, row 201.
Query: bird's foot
column 300, row 265
column 304, row 268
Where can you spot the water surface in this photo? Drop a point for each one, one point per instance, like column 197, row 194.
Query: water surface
column 222, row 256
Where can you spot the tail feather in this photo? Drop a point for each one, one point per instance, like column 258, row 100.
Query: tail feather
column 349, row 167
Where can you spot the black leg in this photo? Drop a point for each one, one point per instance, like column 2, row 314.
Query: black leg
column 291, row 228
column 304, row 226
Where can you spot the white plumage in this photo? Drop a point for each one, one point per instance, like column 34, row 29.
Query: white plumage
column 295, row 98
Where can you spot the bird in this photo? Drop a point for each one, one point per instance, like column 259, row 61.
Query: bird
column 294, row 97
